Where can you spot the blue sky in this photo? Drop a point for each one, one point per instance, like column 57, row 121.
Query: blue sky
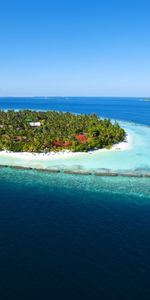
column 75, row 48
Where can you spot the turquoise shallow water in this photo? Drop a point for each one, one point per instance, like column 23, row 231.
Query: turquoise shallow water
column 130, row 186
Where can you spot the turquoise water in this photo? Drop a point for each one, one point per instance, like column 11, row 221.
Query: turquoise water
column 121, row 185
column 79, row 237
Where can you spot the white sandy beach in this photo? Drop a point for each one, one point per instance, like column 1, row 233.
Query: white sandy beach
column 133, row 154
column 123, row 146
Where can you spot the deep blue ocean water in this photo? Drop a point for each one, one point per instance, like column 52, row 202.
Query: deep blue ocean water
column 129, row 109
column 75, row 237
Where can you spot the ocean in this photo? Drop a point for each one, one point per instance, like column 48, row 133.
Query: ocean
column 71, row 236
column 127, row 109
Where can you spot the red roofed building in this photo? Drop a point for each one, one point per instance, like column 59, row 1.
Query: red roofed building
column 81, row 138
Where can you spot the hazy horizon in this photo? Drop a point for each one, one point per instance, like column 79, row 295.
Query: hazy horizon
column 66, row 96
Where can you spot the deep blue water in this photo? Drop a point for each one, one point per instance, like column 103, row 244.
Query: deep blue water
column 128, row 109
column 75, row 237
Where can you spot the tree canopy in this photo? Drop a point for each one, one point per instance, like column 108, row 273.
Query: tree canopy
column 37, row 131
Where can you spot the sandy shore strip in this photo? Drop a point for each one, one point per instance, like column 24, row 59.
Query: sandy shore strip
column 123, row 146
column 126, row 145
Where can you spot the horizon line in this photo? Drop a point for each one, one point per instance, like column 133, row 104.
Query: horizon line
column 78, row 96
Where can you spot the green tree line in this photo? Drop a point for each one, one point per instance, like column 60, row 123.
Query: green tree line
column 57, row 131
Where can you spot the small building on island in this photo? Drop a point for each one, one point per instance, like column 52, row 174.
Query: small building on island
column 35, row 124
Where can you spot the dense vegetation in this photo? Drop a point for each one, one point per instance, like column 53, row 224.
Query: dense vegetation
column 56, row 131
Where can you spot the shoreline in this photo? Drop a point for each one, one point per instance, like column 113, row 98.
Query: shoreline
column 123, row 146
column 127, row 157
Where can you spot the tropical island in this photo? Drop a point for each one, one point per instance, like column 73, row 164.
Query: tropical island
column 42, row 132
